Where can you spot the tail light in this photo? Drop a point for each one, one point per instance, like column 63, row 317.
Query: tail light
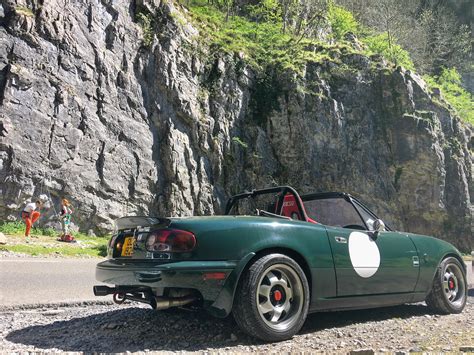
column 110, row 245
column 170, row 241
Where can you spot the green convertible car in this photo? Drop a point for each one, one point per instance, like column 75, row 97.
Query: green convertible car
column 274, row 257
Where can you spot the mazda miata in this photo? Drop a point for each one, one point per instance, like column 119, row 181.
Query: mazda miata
column 276, row 256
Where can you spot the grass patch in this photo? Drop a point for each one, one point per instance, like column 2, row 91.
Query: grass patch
column 69, row 250
column 449, row 84
column 18, row 228
column 46, row 244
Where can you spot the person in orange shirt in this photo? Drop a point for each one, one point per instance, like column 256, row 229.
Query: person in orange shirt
column 30, row 215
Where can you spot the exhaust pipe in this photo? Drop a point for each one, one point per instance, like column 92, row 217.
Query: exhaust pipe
column 165, row 303
column 104, row 290
column 143, row 295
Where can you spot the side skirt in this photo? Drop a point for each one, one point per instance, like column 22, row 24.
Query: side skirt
column 364, row 302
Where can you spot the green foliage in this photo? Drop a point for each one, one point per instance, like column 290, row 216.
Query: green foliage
column 146, row 21
column 341, row 21
column 46, row 242
column 396, row 179
column 69, row 250
column 383, row 44
column 265, row 10
column 18, row 228
column 12, row 227
column 25, row 11
column 449, row 83
column 240, row 142
column 260, row 44
column 265, row 93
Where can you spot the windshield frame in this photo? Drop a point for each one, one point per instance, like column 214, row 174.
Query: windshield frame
column 281, row 190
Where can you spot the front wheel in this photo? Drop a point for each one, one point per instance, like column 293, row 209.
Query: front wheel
column 272, row 299
column 449, row 291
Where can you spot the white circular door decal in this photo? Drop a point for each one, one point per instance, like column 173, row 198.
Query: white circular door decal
column 364, row 254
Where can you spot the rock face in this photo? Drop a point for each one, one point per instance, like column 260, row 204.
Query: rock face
column 92, row 113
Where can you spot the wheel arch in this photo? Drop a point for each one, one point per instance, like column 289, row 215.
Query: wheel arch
column 459, row 258
column 436, row 298
column 443, row 257
column 225, row 302
column 296, row 256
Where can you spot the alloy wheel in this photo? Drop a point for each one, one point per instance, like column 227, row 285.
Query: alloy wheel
column 280, row 297
column 453, row 284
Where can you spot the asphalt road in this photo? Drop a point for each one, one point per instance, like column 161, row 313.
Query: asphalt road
column 41, row 280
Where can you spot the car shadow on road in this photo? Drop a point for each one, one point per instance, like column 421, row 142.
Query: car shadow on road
column 136, row 329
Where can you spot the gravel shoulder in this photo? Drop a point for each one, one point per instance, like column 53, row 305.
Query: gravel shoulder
column 135, row 328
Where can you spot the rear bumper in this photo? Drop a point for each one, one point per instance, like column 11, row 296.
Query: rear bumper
column 182, row 274
column 217, row 294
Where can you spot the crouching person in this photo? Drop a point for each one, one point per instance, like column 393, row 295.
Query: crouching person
column 30, row 215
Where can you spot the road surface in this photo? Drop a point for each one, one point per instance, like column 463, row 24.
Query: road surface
column 42, row 280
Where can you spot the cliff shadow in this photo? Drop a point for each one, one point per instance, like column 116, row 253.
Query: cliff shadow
column 137, row 329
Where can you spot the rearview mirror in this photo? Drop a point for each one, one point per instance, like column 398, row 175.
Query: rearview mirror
column 378, row 227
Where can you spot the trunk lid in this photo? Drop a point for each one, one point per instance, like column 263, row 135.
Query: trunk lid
column 129, row 238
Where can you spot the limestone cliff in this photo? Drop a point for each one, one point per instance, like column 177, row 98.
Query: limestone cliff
column 119, row 127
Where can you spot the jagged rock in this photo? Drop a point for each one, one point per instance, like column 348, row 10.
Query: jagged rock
column 93, row 114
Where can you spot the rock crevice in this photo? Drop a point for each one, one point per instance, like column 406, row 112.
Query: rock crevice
column 120, row 126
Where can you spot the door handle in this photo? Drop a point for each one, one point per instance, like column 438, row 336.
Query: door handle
column 342, row 240
column 416, row 261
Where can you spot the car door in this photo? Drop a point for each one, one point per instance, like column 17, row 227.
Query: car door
column 366, row 264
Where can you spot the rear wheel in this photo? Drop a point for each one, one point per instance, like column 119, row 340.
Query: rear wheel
column 449, row 291
column 272, row 299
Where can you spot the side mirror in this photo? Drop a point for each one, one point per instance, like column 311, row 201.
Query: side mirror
column 378, row 226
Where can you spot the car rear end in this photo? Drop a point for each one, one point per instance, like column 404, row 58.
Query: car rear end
column 153, row 261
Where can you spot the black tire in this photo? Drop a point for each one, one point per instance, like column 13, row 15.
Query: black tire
column 272, row 298
column 449, row 291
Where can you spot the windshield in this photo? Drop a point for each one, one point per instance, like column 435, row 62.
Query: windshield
column 337, row 212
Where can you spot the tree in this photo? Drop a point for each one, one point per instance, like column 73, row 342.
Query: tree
column 448, row 43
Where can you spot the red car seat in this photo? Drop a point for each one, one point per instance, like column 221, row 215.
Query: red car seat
column 290, row 209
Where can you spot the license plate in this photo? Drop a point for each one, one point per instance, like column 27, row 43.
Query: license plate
column 128, row 245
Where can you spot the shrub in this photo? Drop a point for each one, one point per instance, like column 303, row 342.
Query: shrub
column 145, row 20
column 342, row 21
column 240, row 142
column 380, row 44
column 449, row 83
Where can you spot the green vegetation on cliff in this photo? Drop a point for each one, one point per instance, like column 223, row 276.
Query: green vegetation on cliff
column 260, row 43
column 380, row 44
column 449, row 83
column 280, row 35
